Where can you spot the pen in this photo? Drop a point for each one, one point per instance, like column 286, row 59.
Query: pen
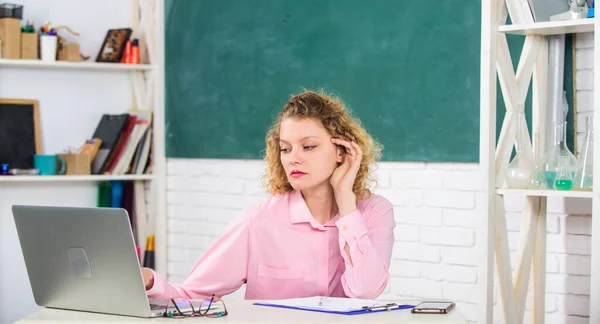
column 386, row 306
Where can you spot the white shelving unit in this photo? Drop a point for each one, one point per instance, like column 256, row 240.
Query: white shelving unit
column 550, row 28
column 72, row 97
column 147, row 86
column 494, row 251
column 70, row 178
column 545, row 193
column 38, row 64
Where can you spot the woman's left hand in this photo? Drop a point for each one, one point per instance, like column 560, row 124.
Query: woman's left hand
column 343, row 177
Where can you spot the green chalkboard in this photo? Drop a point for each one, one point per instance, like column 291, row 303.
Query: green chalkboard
column 408, row 69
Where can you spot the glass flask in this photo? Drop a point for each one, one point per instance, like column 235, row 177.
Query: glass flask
column 583, row 179
column 521, row 168
column 564, row 177
column 549, row 164
column 538, row 180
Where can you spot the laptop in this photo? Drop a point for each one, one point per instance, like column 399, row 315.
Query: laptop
column 83, row 259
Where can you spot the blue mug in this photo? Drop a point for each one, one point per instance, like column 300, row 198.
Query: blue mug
column 48, row 164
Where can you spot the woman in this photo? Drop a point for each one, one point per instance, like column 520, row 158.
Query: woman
column 321, row 232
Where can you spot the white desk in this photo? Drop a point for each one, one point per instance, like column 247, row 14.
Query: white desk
column 243, row 312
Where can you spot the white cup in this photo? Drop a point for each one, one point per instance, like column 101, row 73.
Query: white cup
column 48, row 46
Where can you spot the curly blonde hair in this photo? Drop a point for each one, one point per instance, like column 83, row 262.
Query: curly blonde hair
column 337, row 120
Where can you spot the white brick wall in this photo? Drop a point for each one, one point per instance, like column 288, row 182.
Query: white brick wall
column 437, row 210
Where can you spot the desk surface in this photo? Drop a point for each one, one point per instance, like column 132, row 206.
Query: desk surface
column 242, row 312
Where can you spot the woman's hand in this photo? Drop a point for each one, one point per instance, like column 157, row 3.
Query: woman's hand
column 148, row 278
column 343, row 177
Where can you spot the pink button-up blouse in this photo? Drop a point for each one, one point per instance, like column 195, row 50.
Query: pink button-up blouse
column 280, row 251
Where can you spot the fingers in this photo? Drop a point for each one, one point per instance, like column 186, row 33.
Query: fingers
column 358, row 149
column 345, row 166
column 346, row 173
column 348, row 145
column 358, row 155
column 352, row 149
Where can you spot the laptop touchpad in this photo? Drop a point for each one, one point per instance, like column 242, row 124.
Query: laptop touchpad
column 79, row 262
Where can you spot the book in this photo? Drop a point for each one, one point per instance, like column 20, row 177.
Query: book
column 109, row 130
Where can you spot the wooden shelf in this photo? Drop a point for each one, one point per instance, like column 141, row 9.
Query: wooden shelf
column 550, row 27
column 77, row 178
column 38, row 64
column 546, row 193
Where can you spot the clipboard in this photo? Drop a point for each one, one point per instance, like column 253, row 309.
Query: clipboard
column 346, row 306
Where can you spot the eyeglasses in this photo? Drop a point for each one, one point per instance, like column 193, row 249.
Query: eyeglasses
column 181, row 308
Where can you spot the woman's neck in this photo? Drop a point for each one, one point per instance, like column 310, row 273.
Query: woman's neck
column 321, row 203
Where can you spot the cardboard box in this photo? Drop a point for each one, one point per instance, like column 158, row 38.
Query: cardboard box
column 69, row 52
column 80, row 164
column 10, row 34
column 29, row 46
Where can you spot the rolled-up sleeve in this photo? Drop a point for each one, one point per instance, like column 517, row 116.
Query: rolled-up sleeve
column 370, row 238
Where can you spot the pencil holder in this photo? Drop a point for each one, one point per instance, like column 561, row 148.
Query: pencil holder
column 48, row 45
column 29, row 46
column 77, row 164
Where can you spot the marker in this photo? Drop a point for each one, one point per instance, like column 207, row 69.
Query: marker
column 135, row 52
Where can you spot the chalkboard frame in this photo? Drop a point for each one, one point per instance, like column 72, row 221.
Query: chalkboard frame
column 36, row 117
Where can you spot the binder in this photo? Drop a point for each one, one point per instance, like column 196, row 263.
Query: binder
column 333, row 305
column 116, row 153
column 109, row 130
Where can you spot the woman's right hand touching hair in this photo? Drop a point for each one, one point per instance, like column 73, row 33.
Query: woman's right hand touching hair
column 148, row 278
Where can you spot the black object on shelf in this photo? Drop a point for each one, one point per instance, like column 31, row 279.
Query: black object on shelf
column 9, row 10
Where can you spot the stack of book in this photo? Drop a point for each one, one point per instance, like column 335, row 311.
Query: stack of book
column 126, row 144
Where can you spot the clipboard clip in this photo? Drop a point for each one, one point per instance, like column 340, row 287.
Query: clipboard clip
column 387, row 307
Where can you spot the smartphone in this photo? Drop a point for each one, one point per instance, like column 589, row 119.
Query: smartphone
column 433, row 307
